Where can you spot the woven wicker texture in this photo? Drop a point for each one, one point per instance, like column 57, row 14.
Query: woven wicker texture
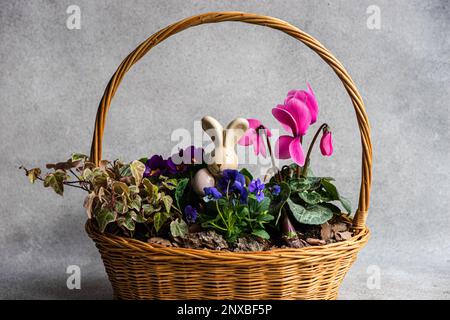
column 138, row 270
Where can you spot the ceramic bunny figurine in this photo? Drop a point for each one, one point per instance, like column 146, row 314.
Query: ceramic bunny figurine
column 224, row 155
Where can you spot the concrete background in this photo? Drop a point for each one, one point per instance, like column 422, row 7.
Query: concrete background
column 52, row 78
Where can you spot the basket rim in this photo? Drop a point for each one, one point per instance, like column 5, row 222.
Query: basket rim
column 358, row 240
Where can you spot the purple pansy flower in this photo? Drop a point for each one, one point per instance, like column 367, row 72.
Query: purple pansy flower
column 154, row 166
column 190, row 213
column 173, row 168
column 190, row 155
column 257, row 187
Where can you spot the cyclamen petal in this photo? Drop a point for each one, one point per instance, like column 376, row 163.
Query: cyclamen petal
column 312, row 104
column 282, row 147
column 307, row 97
column 254, row 136
column 326, row 144
column 296, row 152
column 247, row 138
column 286, row 119
column 301, row 115
column 259, row 146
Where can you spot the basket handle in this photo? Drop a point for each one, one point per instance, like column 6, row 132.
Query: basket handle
column 364, row 197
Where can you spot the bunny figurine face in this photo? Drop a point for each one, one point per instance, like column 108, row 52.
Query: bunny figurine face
column 224, row 155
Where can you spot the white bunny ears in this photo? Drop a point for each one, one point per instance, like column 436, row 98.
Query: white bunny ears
column 224, row 155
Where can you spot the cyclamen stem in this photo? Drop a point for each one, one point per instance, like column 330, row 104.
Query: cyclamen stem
column 269, row 147
column 308, row 155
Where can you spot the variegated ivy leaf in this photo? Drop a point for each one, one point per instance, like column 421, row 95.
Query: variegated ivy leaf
column 159, row 219
column 181, row 186
column 99, row 178
column 168, row 201
column 137, row 170
column 170, row 184
column 120, row 188
column 151, row 189
column 33, row 174
column 137, row 217
column 178, row 228
column 87, row 175
column 55, row 181
column 78, row 156
column 88, row 203
column 135, row 203
column 104, row 217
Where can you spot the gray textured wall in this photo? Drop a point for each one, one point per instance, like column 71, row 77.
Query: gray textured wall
column 52, row 78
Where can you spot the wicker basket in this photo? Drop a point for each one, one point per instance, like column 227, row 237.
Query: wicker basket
column 138, row 270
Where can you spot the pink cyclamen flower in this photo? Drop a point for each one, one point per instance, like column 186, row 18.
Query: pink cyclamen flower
column 308, row 97
column 295, row 118
column 254, row 136
column 326, row 143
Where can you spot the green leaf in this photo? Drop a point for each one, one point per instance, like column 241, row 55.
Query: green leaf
column 310, row 197
column 178, row 228
column 246, row 174
column 265, row 217
column 137, row 170
column 297, row 210
column 332, row 207
column 261, row 233
column 158, row 220
column 179, row 191
column 331, row 190
column 304, row 184
column 315, row 215
column 346, row 204
column 55, row 181
column 277, row 204
column 334, row 195
column 264, row 204
column 143, row 160
column 104, row 217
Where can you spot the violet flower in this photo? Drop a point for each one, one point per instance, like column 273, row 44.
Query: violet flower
column 276, row 189
column 213, row 193
column 254, row 136
column 233, row 182
column 190, row 213
column 257, row 187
